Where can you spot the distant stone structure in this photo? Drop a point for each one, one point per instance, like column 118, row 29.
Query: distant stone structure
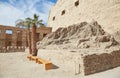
column 14, row 38
column 69, row 12
column 42, row 32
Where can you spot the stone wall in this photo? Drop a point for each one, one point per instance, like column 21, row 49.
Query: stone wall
column 18, row 37
column 69, row 12
column 42, row 32
column 97, row 63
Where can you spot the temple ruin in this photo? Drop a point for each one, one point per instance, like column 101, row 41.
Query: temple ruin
column 14, row 38
column 83, row 39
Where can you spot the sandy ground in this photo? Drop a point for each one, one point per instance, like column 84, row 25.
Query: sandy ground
column 16, row 65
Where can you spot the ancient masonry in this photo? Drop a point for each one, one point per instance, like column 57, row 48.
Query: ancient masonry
column 16, row 38
column 87, row 44
column 69, row 12
column 97, row 63
column 71, row 23
column 83, row 64
column 11, row 36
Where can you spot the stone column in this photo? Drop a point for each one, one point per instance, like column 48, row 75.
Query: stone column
column 3, row 37
column 14, row 38
column 24, row 40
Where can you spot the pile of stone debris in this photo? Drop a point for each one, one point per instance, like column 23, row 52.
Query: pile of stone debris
column 82, row 35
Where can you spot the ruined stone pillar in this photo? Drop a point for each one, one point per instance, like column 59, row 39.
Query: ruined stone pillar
column 24, row 40
column 14, row 38
column 3, row 35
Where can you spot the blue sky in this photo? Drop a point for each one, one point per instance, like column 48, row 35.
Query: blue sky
column 11, row 10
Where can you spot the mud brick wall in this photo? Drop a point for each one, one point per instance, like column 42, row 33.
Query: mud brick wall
column 97, row 63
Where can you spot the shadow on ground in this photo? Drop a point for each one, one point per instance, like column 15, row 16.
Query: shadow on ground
column 55, row 66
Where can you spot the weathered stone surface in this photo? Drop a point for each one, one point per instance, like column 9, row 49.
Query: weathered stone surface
column 97, row 63
column 18, row 37
column 95, row 50
column 78, row 36
column 106, row 12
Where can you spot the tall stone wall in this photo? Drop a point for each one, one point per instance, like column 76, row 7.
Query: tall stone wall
column 69, row 12
column 97, row 63
column 16, row 38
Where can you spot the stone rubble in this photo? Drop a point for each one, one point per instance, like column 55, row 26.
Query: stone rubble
column 78, row 36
